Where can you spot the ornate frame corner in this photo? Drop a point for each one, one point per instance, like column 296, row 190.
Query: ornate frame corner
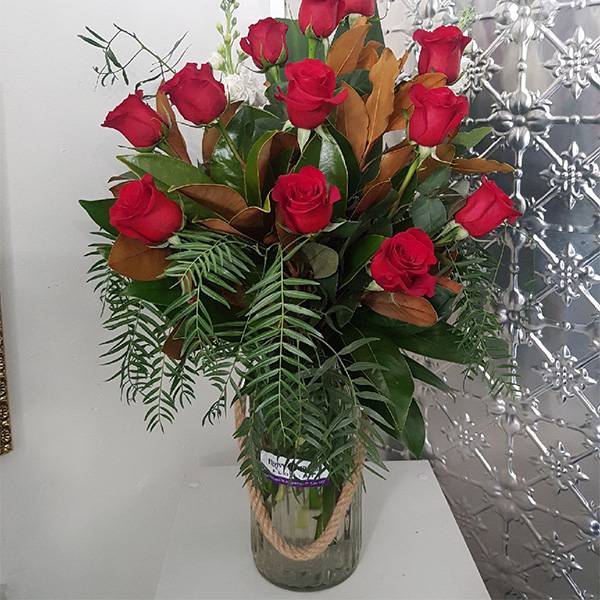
column 5, row 430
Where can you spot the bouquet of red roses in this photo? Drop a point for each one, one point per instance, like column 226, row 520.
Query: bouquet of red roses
column 322, row 242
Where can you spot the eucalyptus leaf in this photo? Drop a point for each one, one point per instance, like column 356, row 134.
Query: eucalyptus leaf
column 435, row 181
column 429, row 214
column 324, row 261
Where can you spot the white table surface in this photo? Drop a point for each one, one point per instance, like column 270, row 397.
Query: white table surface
column 412, row 547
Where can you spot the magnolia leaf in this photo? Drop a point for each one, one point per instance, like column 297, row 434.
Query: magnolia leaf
column 160, row 292
column 220, row 226
column 173, row 346
column 402, row 307
column 392, row 162
column 99, row 211
column 429, row 214
column 480, row 165
column 174, row 138
column 403, row 106
column 449, row 284
column 253, row 222
column 345, row 51
column 324, row 261
column 212, row 135
column 352, row 121
column 423, row 374
column 135, row 260
column 414, row 430
column 444, row 155
column 218, row 198
column 380, row 103
column 256, row 168
column 359, row 254
column 470, row 139
column 173, row 172
column 393, row 381
column 369, row 55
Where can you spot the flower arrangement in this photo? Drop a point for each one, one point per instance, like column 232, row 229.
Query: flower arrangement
column 320, row 245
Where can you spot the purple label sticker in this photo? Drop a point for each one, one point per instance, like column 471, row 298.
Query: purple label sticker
column 285, row 471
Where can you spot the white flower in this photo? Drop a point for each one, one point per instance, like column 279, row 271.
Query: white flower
column 217, row 62
column 246, row 87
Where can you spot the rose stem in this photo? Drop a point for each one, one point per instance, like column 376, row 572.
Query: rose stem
column 230, row 143
column 411, row 172
column 312, row 46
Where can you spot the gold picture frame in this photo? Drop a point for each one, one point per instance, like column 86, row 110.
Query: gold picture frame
column 5, row 431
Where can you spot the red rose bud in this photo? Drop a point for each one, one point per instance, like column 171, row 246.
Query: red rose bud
column 403, row 262
column 144, row 213
column 437, row 113
column 322, row 16
column 198, row 96
column 305, row 200
column 141, row 125
column 486, row 208
column 266, row 43
column 361, row 7
column 441, row 50
column 310, row 95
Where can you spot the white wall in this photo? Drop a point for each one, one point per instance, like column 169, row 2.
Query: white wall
column 87, row 496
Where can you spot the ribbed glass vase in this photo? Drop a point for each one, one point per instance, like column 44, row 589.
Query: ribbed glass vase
column 299, row 515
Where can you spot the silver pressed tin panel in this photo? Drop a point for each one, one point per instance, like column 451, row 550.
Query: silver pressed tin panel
column 522, row 474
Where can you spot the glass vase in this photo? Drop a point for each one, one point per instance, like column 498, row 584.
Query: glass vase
column 299, row 514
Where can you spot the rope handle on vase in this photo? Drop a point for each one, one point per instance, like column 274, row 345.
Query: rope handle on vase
column 263, row 518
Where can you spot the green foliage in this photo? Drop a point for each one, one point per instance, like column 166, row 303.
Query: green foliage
column 470, row 139
column 98, row 210
column 429, row 214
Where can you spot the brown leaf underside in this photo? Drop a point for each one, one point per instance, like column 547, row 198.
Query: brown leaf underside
column 345, row 51
column 174, row 138
column 401, row 307
column 135, row 260
column 352, row 121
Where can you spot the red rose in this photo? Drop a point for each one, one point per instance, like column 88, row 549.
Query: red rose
column 144, row 213
column 441, row 50
column 361, row 7
column 437, row 113
column 305, row 200
column 310, row 95
column 323, row 16
column 198, row 96
column 266, row 43
column 486, row 208
column 141, row 125
column 402, row 264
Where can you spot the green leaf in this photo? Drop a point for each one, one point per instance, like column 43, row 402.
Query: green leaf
column 429, row 214
column 161, row 292
column 427, row 376
column 99, row 211
column 296, row 41
column 414, row 431
column 359, row 254
column 172, row 172
column 435, row 181
column 442, row 341
column 324, row 261
column 90, row 41
column 359, row 80
column 349, row 159
column 253, row 183
column 325, row 154
column 245, row 128
column 470, row 139
column 394, row 380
